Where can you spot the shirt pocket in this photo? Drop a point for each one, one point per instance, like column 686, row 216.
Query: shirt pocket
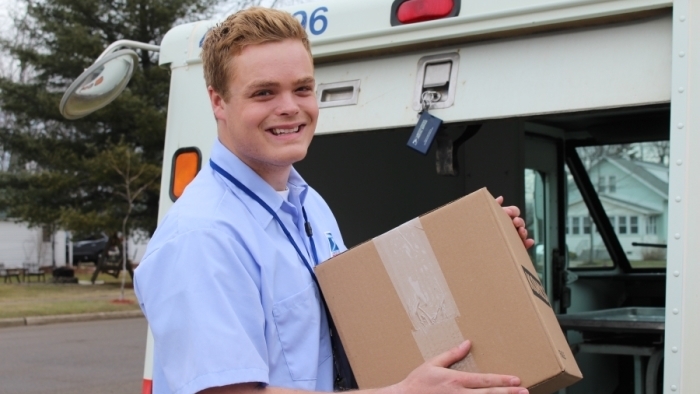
column 298, row 323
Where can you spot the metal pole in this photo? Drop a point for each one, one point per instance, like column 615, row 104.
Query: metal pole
column 129, row 44
column 682, row 344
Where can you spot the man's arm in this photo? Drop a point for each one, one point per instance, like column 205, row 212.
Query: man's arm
column 434, row 377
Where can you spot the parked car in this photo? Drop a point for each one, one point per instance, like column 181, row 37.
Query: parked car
column 89, row 249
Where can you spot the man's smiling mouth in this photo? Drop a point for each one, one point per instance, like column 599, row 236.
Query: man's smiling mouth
column 285, row 131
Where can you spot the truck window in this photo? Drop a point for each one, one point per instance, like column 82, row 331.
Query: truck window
column 535, row 221
column 631, row 181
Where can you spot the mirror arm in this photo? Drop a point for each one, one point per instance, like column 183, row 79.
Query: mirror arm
column 128, row 44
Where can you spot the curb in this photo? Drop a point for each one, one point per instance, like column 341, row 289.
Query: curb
column 40, row 320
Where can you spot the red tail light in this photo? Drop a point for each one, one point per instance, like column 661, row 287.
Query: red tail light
column 413, row 11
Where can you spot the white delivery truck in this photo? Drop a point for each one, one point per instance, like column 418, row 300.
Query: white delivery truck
column 566, row 107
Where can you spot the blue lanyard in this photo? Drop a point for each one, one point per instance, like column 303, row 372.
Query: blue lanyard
column 344, row 378
column 307, row 225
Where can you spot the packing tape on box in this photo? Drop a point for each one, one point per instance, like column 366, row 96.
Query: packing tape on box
column 418, row 280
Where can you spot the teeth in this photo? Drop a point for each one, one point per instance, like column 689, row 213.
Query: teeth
column 285, row 131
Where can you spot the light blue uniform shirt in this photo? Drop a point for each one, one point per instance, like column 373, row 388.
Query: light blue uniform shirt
column 226, row 295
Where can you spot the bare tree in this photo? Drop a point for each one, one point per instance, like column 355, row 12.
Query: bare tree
column 659, row 151
column 591, row 154
column 127, row 175
column 10, row 67
column 15, row 30
column 137, row 177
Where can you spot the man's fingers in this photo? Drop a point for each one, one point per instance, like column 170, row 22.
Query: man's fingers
column 518, row 222
column 451, row 356
column 523, row 233
column 529, row 243
column 500, row 390
column 515, row 211
column 482, row 380
column 512, row 211
column 499, row 200
column 434, row 376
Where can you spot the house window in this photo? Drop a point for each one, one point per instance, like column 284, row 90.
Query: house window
column 586, row 225
column 567, row 224
column 651, row 225
column 612, row 222
column 575, row 221
column 622, row 224
column 612, row 186
column 601, row 184
column 634, row 225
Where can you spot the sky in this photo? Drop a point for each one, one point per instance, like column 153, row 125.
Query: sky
column 5, row 7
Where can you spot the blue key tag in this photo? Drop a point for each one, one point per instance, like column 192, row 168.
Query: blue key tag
column 424, row 132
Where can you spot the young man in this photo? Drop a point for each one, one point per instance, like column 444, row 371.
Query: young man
column 226, row 282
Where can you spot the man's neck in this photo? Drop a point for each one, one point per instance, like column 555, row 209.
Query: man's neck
column 275, row 176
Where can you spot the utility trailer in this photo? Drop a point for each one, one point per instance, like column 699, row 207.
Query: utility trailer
column 528, row 92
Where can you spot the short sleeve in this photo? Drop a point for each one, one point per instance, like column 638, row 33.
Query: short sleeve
column 200, row 294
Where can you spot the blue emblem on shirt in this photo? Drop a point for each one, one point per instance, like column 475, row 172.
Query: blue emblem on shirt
column 335, row 250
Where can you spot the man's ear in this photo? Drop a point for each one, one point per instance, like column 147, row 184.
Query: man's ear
column 218, row 104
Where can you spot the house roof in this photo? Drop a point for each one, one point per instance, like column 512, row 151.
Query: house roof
column 610, row 201
column 639, row 170
column 630, row 205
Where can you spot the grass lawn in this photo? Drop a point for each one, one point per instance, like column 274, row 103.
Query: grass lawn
column 41, row 299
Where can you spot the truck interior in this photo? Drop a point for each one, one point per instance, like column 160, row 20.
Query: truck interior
column 593, row 188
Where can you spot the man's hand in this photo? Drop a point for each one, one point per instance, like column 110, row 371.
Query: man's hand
column 518, row 222
column 434, row 376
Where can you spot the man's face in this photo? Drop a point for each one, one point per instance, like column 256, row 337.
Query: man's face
column 270, row 116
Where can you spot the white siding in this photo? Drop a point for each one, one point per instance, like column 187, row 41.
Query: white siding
column 18, row 244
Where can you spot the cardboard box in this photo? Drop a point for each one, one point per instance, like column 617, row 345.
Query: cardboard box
column 459, row 272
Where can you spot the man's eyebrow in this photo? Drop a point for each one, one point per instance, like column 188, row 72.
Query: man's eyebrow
column 267, row 84
column 305, row 81
column 262, row 85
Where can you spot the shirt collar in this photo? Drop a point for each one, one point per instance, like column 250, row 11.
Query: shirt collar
column 298, row 188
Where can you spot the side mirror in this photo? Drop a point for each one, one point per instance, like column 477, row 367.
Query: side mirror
column 99, row 85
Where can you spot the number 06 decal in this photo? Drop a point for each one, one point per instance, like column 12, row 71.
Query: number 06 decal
column 317, row 22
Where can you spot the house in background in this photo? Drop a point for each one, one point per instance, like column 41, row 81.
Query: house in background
column 635, row 197
column 20, row 244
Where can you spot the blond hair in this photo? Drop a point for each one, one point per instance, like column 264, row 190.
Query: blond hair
column 252, row 26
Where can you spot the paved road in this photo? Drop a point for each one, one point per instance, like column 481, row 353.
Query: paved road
column 101, row 357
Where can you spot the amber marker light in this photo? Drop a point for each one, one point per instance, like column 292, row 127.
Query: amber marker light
column 186, row 164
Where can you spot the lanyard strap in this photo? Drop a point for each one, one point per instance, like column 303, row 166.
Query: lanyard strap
column 310, row 233
column 262, row 203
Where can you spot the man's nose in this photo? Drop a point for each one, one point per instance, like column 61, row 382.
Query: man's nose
column 288, row 105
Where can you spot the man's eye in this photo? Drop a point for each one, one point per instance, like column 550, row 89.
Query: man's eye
column 305, row 89
column 262, row 93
